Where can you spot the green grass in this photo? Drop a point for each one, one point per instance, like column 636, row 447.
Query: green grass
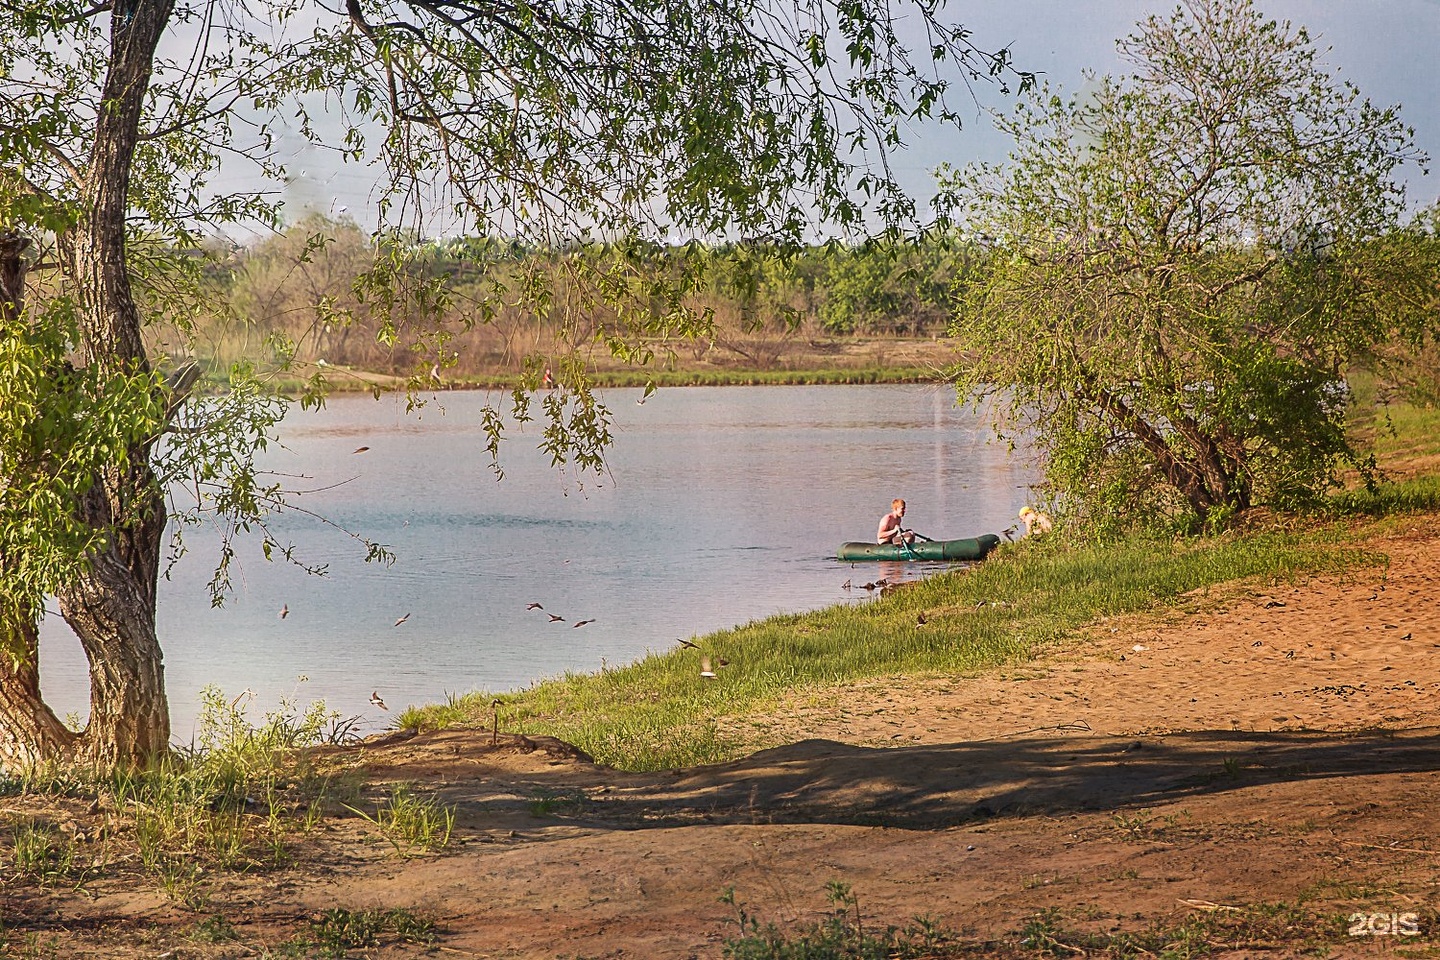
column 1028, row 598
column 412, row 822
column 236, row 799
column 44, row 855
column 336, row 933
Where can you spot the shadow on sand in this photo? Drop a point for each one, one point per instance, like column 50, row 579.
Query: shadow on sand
column 933, row 786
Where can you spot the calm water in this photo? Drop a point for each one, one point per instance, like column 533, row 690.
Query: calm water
column 724, row 505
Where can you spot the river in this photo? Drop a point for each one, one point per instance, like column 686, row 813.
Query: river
column 721, row 505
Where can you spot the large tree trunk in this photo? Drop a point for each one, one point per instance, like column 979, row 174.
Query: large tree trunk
column 111, row 607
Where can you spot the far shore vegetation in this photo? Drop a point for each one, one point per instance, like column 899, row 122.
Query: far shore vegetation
column 298, row 311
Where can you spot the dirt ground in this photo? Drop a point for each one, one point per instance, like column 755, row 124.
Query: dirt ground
column 1268, row 768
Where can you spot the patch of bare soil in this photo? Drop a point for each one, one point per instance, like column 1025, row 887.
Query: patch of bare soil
column 1272, row 762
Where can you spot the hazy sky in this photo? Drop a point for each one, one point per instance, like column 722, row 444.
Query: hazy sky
column 1388, row 48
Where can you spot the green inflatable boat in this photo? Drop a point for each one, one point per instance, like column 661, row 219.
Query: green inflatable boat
column 972, row 548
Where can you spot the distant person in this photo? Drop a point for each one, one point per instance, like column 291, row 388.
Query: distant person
column 1035, row 522
column 890, row 529
column 548, row 380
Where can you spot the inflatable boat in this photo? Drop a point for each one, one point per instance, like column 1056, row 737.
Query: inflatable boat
column 972, row 548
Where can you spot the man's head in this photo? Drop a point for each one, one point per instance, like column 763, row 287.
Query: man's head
column 897, row 506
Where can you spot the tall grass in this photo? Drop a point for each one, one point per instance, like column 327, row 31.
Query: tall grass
column 234, row 799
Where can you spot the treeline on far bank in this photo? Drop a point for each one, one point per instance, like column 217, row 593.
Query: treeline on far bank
column 327, row 293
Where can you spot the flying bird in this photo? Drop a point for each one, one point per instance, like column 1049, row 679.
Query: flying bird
column 920, row 620
column 705, row 669
column 285, row 611
column 375, row 699
column 687, row 643
column 402, row 619
column 533, row 606
column 360, row 449
column 554, row 617
column 581, row 623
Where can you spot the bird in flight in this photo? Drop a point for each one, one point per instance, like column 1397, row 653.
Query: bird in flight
column 402, row 619
column 705, row 668
column 361, row 449
column 554, row 617
column 533, row 606
column 375, row 699
column 687, row 643
column 284, row 611
column 581, row 623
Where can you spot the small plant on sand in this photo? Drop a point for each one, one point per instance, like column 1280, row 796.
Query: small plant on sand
column 43, row 855
column 548, row 803
column 336, row 932
column 840, row 935
column 28, row 946
column 213, row 929
column 411, row 822
column 1135, row 826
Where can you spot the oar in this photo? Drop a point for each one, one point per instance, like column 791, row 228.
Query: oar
column 920, row 535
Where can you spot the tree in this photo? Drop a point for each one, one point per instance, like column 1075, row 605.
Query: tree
column 1181, row 264
column 1409, row 362
column 546, row 123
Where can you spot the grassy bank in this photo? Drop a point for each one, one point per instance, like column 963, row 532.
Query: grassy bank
column 1026, row 600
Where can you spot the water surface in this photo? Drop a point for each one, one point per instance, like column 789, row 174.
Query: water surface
column 722, row 505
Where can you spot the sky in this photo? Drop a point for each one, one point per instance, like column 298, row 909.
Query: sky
column 1388, row 48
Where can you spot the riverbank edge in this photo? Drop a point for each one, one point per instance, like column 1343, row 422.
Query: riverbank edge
column 1028, row 601
column 344, row 381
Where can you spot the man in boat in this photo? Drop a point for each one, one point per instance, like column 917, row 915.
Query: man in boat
column 890, row 530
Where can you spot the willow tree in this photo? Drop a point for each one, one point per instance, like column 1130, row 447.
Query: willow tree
column 550, row 124
column 1181, row 263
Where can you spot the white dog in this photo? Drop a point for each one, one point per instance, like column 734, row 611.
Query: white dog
column 1035, row 521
